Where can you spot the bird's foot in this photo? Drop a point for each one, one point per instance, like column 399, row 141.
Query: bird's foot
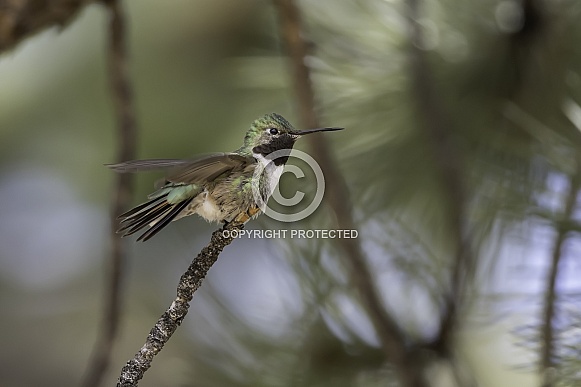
column 242, row 218
column 253, row 211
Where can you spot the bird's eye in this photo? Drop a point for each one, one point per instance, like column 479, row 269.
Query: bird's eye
column 273, row 131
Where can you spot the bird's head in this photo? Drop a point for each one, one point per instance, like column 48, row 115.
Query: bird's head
column 271, row 133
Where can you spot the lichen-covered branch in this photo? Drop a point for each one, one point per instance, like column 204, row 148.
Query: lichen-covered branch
column 20, row 19
column 167, row 324
column 122, row 96
column 392, row 338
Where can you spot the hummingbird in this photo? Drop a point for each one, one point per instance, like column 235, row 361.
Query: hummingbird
column 219, row 187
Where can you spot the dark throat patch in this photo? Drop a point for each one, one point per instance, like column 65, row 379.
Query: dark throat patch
column 284, row 141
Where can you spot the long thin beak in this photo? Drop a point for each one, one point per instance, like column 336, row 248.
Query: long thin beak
column 308, row 131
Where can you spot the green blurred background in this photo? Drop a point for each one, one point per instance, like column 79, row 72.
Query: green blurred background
column 282, row 312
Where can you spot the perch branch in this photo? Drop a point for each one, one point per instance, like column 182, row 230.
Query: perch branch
column 548, row 313
column 167, row 324
column 20, row 19
column 391, row 337
column 122, row 95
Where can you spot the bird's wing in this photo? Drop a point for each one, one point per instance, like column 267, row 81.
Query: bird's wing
column 189, row 171
column 146, row 165
column 207, row 168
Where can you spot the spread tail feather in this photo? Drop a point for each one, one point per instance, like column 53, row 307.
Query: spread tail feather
column 157, row 213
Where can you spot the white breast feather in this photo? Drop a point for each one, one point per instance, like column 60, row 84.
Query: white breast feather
column 273, row 171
